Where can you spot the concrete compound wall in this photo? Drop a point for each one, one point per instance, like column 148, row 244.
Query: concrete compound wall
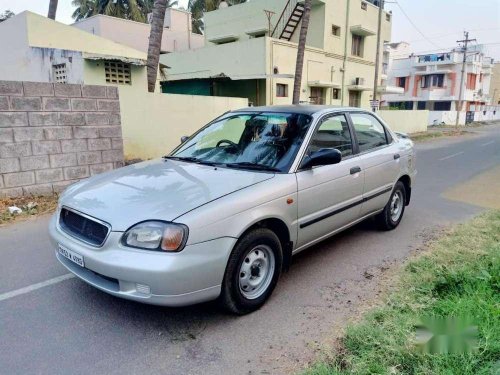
column 154, row 123
column 406, row 121
column 52, row 135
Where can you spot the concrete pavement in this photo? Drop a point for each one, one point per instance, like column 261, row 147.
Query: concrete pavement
column 67, row 326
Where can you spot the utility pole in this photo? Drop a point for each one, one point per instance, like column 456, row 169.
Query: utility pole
column 377, row 57
column 462, row 78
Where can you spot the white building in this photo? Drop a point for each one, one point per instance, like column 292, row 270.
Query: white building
column 177, row 32
column 432, row 82
column 38, row 49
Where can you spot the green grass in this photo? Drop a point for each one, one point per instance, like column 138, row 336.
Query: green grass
column 459, row 276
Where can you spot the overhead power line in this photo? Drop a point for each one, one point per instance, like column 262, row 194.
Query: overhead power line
column 414, row 25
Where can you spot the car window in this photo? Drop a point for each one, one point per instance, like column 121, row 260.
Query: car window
column 369, row 131
column 333, row 133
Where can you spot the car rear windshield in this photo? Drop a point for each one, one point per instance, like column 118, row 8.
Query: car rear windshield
column 245, row 140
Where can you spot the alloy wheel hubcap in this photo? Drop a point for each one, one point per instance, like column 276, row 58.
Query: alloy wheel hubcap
column 396, row 206
column 256, row 271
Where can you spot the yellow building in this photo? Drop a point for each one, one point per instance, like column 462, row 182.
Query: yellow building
column 246, row 56
column 43, row 50
column 495, row 84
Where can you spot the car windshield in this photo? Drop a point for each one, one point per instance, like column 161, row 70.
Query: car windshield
column 265, row 141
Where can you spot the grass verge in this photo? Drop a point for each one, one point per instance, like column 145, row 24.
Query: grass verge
column 433, row 134
column 458, row 276
column 30, row 206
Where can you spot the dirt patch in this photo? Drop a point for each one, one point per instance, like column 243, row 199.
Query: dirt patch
column 30, row 206
column 483, row 190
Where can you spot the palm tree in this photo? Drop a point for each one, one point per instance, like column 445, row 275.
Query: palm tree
column 300, row 52
column 155, row 37
column 135, row 10
column 199, row 7
column 6, row 15
column 84, row 9
column 52, row 9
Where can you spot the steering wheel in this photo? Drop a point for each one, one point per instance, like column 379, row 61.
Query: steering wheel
column 230, row 143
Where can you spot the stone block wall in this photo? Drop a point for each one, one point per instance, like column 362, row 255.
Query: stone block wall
column 52, row 135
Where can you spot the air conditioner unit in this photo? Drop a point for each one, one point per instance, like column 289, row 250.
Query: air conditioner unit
column 358, row 81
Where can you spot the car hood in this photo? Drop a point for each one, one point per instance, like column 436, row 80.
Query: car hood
column 155, row 190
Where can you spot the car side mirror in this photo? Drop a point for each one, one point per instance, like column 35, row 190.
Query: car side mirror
column 184, row 138
column 325, row 156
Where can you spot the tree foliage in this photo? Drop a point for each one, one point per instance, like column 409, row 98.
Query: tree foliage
column 6, row 15
column 134, row 10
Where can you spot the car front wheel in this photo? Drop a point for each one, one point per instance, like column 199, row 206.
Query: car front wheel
column 252, row 272
column 395, row 208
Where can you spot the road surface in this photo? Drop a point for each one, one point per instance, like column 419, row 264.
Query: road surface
column 54, row 324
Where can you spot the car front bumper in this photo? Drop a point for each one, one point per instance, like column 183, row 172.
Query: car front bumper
column 191, row 276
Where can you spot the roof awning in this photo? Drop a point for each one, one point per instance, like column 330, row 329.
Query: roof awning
column 360, row 30
column 323, row 84
column 390, row 90
column 259, row 31
column 224, row 38
column 359, row 88
column 128, row 60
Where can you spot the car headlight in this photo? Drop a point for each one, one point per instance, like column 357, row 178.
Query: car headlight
column 156, row 235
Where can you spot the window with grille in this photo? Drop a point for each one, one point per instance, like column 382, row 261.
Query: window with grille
column 335, row 30
column 357, row 45
column 118, row 72
column 281, row 90
column 60, row 73
column 336, row 94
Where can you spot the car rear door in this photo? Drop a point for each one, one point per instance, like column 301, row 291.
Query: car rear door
column 379, row 160
column 329, row 196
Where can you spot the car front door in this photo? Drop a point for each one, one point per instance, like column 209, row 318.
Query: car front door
column 329, row 196
column 379, row 160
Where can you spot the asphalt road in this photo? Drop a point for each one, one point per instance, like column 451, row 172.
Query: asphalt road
column 51, row 325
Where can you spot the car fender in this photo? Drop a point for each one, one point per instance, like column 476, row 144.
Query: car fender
column 233, row 214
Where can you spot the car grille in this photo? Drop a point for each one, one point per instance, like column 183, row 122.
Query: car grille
column 82, row 227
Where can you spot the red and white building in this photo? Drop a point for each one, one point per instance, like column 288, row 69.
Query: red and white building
column 432, row 82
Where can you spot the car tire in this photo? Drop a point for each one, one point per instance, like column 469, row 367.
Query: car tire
column 252, row 272
column 393, row 212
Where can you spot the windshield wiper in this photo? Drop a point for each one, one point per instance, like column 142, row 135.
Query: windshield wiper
column 254, row 166
column 191, row 159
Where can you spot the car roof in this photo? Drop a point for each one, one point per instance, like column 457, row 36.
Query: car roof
column 301, row 109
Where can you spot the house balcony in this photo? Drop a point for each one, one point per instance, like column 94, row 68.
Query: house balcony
column 436, row 59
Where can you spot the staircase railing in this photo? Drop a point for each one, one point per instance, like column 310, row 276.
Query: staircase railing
column 284, row 17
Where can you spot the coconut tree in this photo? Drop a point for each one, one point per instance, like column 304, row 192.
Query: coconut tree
column 300, row 52
column 155, row 37
column 6, row 15
column 199, row 7
column 52, row 9
column 84, row 9
column 135, row 10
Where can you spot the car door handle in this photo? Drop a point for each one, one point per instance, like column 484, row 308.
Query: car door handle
column 355, row 170
column 397, row 156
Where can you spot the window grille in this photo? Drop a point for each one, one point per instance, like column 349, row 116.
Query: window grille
column 60, row 73
column 118, row 72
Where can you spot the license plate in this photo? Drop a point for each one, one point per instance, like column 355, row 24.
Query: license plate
column 71, row 255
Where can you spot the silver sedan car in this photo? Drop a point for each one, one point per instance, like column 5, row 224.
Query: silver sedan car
column 221, row 216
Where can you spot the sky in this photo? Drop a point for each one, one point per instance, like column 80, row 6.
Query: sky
column 431, row 25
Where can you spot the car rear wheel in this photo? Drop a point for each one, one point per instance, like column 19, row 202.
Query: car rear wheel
column 252, row 272
column 393, row 212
